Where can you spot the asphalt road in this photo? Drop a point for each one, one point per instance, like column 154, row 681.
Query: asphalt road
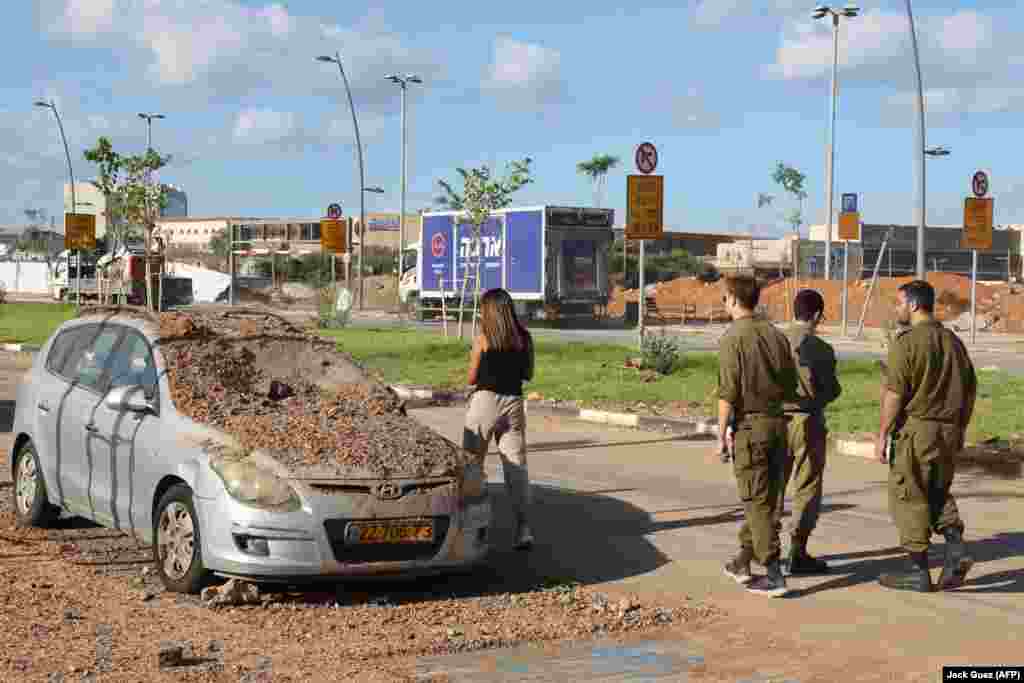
column 658, row 516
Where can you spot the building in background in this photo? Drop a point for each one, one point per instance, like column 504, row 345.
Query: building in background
column 700, row 244
column 177, row 203
column 942, row 251
column 382, row 230
column 91, row 201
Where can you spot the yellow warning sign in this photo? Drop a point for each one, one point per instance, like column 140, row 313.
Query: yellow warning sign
column 79, row 231
column 645, row 207
column 332, row 236
column 977, row 223
column 849, row 226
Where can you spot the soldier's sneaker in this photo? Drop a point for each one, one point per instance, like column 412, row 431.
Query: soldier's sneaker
column 738, row 570
column 772, row 584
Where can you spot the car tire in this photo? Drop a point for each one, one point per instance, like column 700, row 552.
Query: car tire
column 176, row 533
column 32, row 508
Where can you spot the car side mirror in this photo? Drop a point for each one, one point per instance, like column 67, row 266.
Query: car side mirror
column 129, row 399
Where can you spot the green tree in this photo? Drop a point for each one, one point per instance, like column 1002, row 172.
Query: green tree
column 792, row 181
column 481, row 195
column 597, row 169
column 126, row 183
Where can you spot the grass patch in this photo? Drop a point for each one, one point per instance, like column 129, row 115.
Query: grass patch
column 592, row 373
column 32, row 323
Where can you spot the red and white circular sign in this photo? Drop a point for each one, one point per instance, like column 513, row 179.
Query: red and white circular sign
column 646, row 158
column 979, row 183
column 438, row 245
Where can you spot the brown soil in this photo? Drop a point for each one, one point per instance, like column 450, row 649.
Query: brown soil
column 1000, row 304
column 277, row 388
column 59, row 585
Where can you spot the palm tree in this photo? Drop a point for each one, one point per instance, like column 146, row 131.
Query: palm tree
column 597, row 169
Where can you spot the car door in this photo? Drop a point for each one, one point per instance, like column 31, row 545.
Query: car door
column 132, row 436
column 87, row 452
column 51, row 396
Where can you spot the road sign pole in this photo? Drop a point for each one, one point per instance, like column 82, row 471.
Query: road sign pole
column 974, row 293
column 846, row 280
column 643, row 298
column 78, row 278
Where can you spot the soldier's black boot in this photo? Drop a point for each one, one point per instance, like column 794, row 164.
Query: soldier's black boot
column 957, row 562
column 773, row 583
column 914, row 576
column 800, row 563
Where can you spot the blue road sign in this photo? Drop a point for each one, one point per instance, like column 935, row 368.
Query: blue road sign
column 850, row 203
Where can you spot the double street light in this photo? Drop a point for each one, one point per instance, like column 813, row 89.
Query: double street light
column 402, row 82
column 820, row 12
column 149, row 127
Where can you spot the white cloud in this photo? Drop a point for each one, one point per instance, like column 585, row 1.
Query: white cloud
column 525, row 74
column 223, row 50
column 262, row 126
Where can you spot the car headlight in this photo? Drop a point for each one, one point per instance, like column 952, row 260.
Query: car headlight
column 474, row 481
column 255, row 486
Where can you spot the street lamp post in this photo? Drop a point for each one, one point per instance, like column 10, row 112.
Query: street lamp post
column 402, row 81
column 336, row 59
column 919, row 106
column 74, row 204
column 149, row 127
column 820, row 12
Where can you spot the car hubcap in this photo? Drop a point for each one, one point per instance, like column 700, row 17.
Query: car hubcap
column 175, row 538
column 26, row 487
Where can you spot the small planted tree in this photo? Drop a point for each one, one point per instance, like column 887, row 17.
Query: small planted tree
column 792, row 181
column 131, row 195
column 481, row 195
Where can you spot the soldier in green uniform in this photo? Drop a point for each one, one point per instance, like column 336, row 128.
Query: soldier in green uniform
column 816, row 364
column 931, row 386
column 756, row 377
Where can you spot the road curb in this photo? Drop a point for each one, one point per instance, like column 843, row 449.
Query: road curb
column 19, row 348
column 424, row 397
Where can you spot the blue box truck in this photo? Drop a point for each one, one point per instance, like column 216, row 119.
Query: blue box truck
column 552, row 256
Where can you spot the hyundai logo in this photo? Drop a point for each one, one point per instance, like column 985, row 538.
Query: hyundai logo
column 389, row 491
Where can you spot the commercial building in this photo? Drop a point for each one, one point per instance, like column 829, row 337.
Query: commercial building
column 700, row 244
column 382, row 229
column 943, row 252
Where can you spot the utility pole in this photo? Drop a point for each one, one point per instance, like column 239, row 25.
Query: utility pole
column 402, row 81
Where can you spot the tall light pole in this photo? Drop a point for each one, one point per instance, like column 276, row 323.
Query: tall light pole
column 336, row 59
column 149, row 127
column 402, row 81
column 820, row 12
column 919, row 106
column 74, row 203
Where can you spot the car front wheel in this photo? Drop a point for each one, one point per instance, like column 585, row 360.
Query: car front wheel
column 178, row 552
column 31, row 507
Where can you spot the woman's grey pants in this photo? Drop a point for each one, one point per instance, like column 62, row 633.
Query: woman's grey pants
column 502, row 418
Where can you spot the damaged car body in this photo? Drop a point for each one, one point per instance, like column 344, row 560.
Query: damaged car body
column 237, row 444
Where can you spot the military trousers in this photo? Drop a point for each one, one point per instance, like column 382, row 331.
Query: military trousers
column 759, row 464
column 920, row 477
column 807, row 441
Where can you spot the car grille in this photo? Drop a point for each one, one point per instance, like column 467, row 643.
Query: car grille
column 383, row 552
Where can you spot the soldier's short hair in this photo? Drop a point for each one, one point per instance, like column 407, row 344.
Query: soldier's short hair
column 746, row 290
column 807, row 304
column 919, row 293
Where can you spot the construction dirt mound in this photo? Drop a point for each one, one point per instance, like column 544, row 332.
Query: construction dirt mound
column 1000, row 307
column 274, row 387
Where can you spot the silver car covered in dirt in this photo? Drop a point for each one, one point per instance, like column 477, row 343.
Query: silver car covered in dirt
column 98, row 436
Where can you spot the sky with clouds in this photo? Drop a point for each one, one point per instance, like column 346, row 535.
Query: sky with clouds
column 724, row 88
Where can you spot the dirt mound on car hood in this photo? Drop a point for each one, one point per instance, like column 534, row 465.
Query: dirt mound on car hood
column 276, row 388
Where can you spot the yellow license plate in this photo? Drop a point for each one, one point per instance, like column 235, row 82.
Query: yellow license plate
column 390, row 532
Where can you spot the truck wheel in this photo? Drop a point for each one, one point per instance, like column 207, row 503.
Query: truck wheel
column 31, row 507
column 177, row 550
